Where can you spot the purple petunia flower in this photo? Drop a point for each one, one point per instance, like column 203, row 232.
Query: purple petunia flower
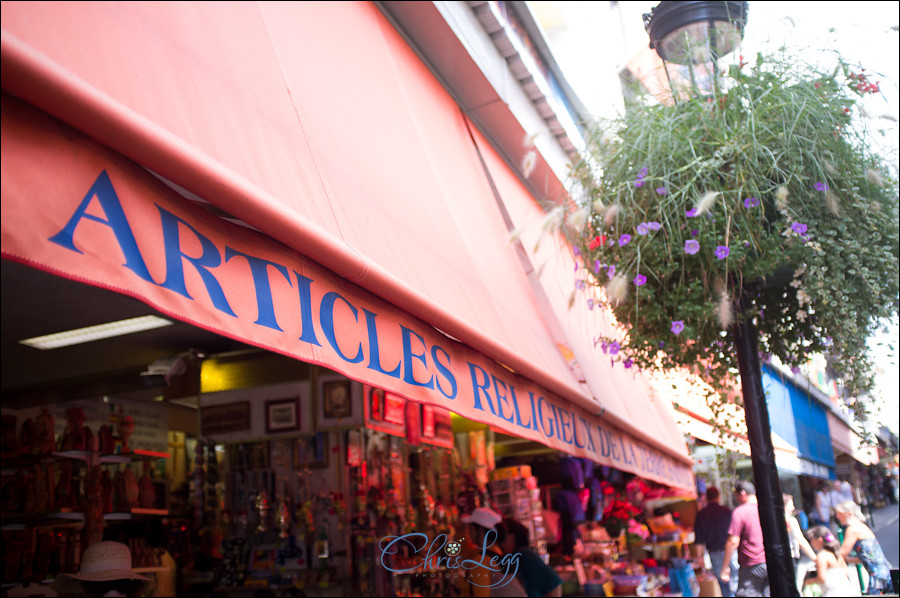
column 695, row 232
column 611, row 271
column 642, row 228
column 624, row 240
column 661, row 191
column 677, row 326
column 654, row 225
column 820, row 186
column 628, row 363
column 751, row 202
column 722, row 252
column 614, row 347
column 691, row 213
column 597, row 266
column 639, row 280
column 799, row 228
column 691, row 246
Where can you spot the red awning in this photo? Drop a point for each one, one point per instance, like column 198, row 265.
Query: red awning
column 316, row 124
column 845, row 440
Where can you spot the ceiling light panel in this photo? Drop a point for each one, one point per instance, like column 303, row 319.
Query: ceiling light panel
column 93, row 333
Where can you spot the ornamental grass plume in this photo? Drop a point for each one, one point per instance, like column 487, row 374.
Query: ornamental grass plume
column 874, row 177
column 578, row 219
column 611, row 214
column 773, row 147
column 529, row 162
column 706, row 202
column 781, row 195
column 617, row 289
column 724, row 314
column 832, row 203
column 554, row 219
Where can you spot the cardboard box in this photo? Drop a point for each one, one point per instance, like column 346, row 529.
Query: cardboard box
column 709, row 586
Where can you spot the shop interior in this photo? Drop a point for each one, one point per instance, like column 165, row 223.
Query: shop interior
column 254, row 471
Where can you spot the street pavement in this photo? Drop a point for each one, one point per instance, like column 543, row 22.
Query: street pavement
column 887, row 530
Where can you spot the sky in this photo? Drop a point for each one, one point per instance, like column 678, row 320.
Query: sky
column 592, row 43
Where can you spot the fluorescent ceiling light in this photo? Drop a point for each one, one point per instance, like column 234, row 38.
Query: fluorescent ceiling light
column 93, row 333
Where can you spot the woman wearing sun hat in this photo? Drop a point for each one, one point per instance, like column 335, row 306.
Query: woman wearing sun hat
column 105, row 571
column 480, row 545
column 859, row 538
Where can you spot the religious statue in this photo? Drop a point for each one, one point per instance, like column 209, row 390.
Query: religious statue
column 126, row 429
column 93, row 509
column 73, row 437
column 44, row 428
column 147, row 491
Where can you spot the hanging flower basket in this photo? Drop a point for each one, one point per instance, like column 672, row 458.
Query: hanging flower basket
column 761, row 199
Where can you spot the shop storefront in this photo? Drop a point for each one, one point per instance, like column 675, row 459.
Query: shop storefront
column 367, row 201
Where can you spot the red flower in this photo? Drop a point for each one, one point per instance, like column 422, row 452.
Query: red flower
column 597, row 241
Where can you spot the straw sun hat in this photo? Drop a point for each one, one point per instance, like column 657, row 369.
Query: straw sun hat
column 103, row 561
column 486, row 518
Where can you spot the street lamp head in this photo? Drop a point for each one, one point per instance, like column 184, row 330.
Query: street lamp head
column 695, row 32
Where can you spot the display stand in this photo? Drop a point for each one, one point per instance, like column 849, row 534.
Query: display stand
column 42, row 535
column 516, row 495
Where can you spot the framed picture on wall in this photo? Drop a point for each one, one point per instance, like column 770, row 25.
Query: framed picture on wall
column 281, row 453
column 311, row 451
column 248, row 455
column 376, row 404
column 427, row 421
column 383, row 411
column 221, row 419
column 282, row 415
column 340, row 404
column 336, row 399
column 394, row 409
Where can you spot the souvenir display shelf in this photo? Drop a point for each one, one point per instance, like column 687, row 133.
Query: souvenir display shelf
column 56, row 527
column 516, row 495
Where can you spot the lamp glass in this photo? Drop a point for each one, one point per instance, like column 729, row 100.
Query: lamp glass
column 693, row 44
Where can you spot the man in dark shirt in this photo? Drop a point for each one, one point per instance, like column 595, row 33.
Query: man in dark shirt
column 711, row 530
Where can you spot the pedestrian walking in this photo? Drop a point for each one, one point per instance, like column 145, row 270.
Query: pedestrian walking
column 801, row 552
column 841, row 491
column 859, row 537
column 745, row 536
column 822, row 506
column 711, row 530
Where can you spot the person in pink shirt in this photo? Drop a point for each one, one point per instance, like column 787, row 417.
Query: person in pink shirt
column 745, row 536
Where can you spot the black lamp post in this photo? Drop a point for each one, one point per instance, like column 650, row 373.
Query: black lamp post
column 692, row 33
